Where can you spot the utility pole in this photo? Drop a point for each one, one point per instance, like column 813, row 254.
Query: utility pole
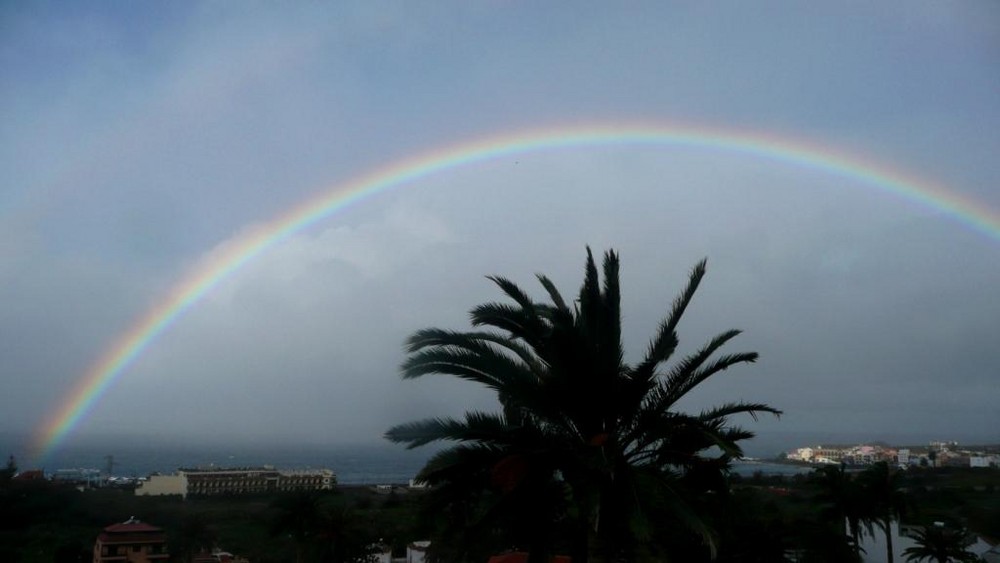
column 110, row 459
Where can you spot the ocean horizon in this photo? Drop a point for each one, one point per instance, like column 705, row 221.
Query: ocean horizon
column 358, row 463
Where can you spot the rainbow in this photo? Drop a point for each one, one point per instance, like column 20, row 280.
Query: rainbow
column 250, row 244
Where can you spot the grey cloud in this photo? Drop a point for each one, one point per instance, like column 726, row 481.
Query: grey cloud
column 134, row 153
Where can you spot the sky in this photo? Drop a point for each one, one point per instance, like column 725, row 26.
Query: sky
column 141, row 140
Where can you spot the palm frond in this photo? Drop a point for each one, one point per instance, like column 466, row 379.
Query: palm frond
column 519, row 322
column 689, row 373
column 460, row 463
column 477, row 427
column 665, row 343
column 513, row 291
column 729, row 409
column 554, row 295
column 589, row 300
column 610, row 342
column 473, row 341
column 722, row 363
column 491, row 369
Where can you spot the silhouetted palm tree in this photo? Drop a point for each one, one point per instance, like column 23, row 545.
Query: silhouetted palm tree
column 298, row 515
column 843, row 501
column 580, row 427
column 940, row 544
column 882, row 487
column 194, row 535
column 321, row 526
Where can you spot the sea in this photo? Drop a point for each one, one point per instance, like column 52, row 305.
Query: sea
column 376, row 462
column 354, row 464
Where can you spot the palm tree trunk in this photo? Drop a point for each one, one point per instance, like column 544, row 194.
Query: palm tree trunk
column 888, row 540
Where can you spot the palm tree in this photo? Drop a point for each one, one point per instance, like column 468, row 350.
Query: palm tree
column 321, row 527
column 583, row 435
column 299, row 516
column 194, row 535
column 882, row 488
column 843, row 502
column 940, row 545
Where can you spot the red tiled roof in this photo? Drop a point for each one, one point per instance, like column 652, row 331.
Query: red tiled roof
column 132, row 531
column 132, row 527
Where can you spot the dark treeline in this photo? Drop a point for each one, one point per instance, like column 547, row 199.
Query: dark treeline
column 760, row 518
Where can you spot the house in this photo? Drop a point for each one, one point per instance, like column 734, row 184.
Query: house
column 131, row 541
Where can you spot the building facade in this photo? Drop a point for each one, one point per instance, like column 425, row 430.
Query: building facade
column 239, row 481
column 131, row 541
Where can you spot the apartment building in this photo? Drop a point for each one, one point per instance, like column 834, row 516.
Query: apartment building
column 236, row 481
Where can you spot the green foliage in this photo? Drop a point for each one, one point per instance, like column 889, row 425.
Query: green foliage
column 322, row 527
column 42, row 521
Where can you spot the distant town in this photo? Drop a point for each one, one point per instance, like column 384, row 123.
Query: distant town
column 935, row 454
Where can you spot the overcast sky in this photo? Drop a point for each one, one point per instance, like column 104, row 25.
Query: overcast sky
column 140, row 137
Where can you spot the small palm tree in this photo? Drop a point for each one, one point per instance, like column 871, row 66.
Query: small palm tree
column 886, row 501
column 585, row 441
column 322, row 528
column 940, row 544
column 299, row 516
column 843, row 501
column 193, row 536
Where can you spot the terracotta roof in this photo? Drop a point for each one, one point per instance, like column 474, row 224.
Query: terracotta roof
column 132, row 527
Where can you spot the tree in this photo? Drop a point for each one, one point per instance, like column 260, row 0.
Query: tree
column 321, row 527
column 940, row 544
column 886, row 501
column 585, row 441
column 9, row 471
column 194, row 535
column 843, row 501
column 299, row 516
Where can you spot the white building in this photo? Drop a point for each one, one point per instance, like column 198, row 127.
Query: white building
column 417, row 551
column 903, row 456
column 982, row 461
column 159, row 485
column 380, row 553
column 803, row 454
column 251, row 480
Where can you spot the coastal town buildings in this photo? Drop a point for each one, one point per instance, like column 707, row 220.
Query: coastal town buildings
column 937, row 454
column 86, row 478
column 131, row 541
column 236, row 481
